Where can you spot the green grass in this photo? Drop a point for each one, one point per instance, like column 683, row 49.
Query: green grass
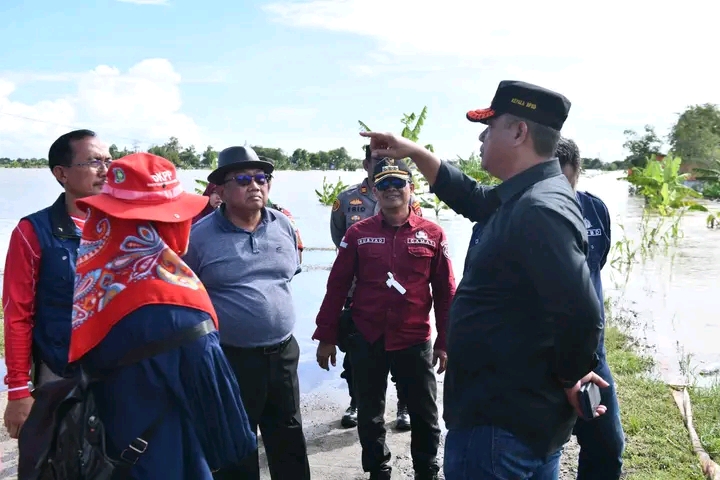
column 658, row 445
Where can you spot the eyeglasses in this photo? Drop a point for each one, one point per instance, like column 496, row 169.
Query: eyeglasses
column 245, row 180
column 94, row 164
column 391, row 182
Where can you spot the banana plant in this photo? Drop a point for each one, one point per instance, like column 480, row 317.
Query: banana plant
column 412, row 126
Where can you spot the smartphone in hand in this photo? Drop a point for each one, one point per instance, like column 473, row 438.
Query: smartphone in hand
column 589, row 399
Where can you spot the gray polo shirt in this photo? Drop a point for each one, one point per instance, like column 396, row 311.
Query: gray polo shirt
column 247, row 275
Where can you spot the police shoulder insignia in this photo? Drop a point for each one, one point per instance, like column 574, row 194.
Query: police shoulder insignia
column 363, row 190
column 336, row 205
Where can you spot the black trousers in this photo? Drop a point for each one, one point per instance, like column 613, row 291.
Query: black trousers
column 415, row 378
column 271, row 394
column 348, row 376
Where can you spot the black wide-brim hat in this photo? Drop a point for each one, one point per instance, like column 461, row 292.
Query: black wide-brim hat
column 238, row 158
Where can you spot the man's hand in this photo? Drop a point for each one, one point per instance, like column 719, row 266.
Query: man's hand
column 326, row 351
column 442, row 356
column 16, row 413
column 390, row 145
column 572, row 393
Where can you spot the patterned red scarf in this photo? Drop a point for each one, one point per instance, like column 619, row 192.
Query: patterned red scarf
column 123, row 265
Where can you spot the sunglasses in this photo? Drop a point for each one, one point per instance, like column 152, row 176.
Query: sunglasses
column 245, row 180
column 392, row 182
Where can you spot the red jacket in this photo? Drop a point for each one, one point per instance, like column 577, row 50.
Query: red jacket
column 18, row 299
column 417, row 255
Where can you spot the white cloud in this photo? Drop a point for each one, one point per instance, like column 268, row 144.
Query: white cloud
column 622, row 63
column 142, row 104
column 146, row 2
column 286, row 116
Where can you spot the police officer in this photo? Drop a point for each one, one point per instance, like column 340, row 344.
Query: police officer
column 601, row 440
column 352, row 205
column 394, row 257
column 525, row 323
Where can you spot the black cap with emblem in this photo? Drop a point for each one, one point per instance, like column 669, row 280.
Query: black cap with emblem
column 388, row 167
column 526, row 101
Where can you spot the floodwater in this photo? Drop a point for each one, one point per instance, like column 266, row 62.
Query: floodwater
column 672, row 294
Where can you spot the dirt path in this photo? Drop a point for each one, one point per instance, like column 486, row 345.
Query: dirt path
column 334, row 452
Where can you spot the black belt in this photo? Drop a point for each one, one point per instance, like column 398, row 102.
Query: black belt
column 272, row 349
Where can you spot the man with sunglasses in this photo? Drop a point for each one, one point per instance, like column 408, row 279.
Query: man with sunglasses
column 40, row 274
column 246, row 255
column 393, row 258
column 352, row 205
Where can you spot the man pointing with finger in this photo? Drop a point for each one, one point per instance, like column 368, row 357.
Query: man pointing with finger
column 525, row 322
column 395, row 256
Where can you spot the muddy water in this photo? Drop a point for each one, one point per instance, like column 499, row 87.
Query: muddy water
column 674, row 296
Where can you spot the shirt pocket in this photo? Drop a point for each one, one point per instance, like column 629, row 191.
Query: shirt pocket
column 58, row 261
column 420, row 259
column 596, row 248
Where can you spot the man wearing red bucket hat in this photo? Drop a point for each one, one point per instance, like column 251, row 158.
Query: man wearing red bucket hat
column 133, row 290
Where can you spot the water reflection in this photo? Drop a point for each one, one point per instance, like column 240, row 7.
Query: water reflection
column 672, row 295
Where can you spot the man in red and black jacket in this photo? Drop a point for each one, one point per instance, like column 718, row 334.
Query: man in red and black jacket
column 395, row 256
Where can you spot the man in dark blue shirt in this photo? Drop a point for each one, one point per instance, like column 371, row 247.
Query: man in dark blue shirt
column 525, row 322
column 601, row 440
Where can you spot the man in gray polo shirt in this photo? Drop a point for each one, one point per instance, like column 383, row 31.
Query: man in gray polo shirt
column 246, row 254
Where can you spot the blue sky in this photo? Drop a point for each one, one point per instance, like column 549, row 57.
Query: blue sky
column 299, row 74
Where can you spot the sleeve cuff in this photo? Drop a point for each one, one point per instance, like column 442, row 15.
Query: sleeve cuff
column 18, row 393
column 324, row 337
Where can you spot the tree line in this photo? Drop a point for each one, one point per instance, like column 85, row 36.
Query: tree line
column 695, row 138
column 189, row 158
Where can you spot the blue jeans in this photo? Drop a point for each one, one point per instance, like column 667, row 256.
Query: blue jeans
column 491, row 453
column 601, row 439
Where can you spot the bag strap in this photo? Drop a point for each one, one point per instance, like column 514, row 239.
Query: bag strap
column 161, row 346
column 138, row 446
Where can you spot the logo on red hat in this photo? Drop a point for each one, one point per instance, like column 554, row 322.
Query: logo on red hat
column 119, row 175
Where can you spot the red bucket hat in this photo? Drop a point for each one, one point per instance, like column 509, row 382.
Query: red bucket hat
column 143, row 186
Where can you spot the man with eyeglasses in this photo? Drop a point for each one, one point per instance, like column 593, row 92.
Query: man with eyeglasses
column 40, row 274
column 246, row 255
column 394, row 258
column 352, row 205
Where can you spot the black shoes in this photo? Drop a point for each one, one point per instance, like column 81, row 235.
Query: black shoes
column 349, row 419
column 427, row 476
column 384, row 474
column 402, row 422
